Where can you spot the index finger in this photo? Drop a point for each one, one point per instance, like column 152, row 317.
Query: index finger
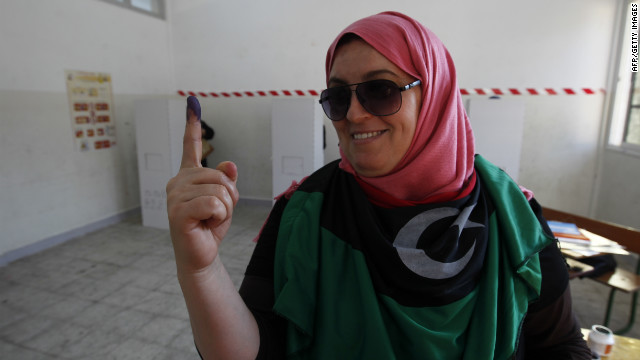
column 192, row 142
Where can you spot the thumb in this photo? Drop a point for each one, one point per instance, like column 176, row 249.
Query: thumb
column 229, row 169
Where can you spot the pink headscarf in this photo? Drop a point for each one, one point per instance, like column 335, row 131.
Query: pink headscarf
column 439, row 163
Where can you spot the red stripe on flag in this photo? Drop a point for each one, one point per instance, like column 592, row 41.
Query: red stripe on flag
column 299, row 92
column 464, row 92
column 313, row 93
column 286, row 92
column 480, row 91
column 203, row 94
column 550, row 91
column 192, row 93
column 181, row 93
column 497, row 91
column 569, row 91
column 262, row 93
column 273, row 92
column 249, row 93
column 532, row 91
column 225, row 94
column 588, row 91
column 214, row 94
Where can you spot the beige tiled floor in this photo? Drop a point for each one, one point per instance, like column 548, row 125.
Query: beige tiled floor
column 113, row 294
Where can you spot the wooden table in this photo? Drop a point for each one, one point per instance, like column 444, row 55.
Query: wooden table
column 618, row 279
column 625, row 348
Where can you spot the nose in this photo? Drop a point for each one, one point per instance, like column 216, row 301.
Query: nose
column 356, row 112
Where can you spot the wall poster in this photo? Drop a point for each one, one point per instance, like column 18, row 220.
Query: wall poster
column 91, row 108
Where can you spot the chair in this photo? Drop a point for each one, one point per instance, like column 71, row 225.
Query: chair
column 619, row 279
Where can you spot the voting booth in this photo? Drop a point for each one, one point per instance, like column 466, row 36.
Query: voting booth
column 159, row 132
column 296, row 140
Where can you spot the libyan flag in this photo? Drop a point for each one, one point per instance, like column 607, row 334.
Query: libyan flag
column 326, row 290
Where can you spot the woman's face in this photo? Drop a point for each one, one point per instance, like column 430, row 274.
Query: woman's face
column 374, row 145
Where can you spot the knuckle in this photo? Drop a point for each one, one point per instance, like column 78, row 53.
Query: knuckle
column 213, row 203
column 170, row 185
column 227, row 195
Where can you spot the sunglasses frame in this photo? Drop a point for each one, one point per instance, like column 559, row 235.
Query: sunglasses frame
column 401, row 88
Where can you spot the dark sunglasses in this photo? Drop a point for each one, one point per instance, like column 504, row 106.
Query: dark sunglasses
column 378, row 97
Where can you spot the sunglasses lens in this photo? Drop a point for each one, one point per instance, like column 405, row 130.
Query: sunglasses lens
column 379, row 97
column 335, row 102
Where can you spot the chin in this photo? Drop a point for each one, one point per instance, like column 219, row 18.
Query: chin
column 370, row 171
column 368, row 164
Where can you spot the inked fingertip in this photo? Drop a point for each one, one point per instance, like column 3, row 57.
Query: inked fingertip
column 194, row 105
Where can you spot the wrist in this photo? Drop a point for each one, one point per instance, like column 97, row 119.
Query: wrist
column 188, row 276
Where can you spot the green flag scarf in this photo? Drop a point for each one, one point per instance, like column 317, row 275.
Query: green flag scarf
column 323, row 286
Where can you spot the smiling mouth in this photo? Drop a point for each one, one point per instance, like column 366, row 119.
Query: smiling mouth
column 367, row 135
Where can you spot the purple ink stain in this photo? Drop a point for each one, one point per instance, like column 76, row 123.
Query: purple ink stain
column 194, row 105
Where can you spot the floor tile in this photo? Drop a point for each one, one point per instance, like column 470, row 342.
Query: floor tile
column 96, row 314
column 164, row 304
column 28, row 298
column 66, row 309
column 171, row 354
column 91, row 289
column 184, row 340
column 23, row 330
column 56, row 340
column 163, row 330
column 26, row 354
column 9, row 315
column 126, row 296
column 97, row 344
column 134, row 349
column 127, row 322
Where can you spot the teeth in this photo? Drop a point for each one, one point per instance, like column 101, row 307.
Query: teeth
column 366, row 135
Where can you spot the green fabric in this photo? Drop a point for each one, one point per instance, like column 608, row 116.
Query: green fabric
column 324, row 290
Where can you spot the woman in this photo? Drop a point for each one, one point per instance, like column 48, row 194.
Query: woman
column 207, row 134
column 408, row 247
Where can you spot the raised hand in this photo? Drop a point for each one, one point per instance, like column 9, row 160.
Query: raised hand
column 200, row 201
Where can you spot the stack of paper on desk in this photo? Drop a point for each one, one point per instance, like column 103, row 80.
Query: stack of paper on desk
column 582, row 242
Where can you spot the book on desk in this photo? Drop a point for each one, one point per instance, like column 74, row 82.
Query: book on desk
column 579, row 243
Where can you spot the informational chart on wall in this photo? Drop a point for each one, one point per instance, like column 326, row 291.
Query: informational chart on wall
column 91, row 109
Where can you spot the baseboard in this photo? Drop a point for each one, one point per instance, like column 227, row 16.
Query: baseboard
column 255, row 201
column 47, row 243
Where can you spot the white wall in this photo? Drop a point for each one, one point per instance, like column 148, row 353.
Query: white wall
column 280, row 44
column 46, row 187
column 619, row 189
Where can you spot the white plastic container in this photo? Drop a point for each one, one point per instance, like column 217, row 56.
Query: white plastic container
column 600, row 340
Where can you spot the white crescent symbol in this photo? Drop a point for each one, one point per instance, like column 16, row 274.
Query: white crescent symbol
column 416, row 259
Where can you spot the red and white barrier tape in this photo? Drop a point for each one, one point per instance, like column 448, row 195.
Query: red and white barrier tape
column 531, row 91
column 463, row 91
column 259, row 93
